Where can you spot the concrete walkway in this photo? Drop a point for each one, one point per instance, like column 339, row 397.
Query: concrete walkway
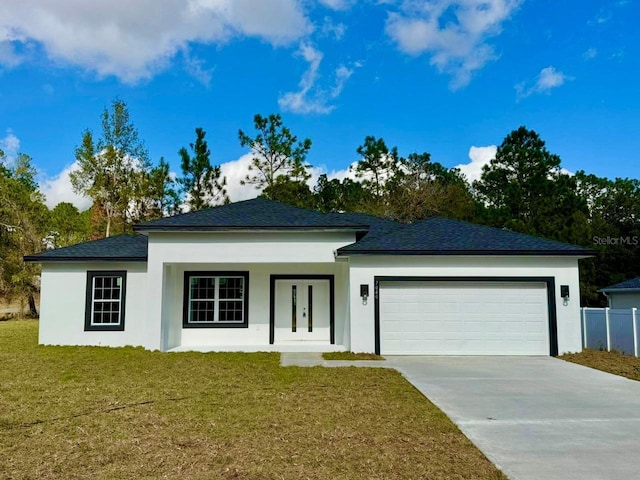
column 533, row 417
column 315, row 360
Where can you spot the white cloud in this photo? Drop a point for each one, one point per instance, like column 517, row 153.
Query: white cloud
column 603, row 16
column 235, row 171
column 337, row 4
column 349, row 172
column 134, row 40
column 548, row 79
column 310, row 98
column 58, row 189
column 590, row 53
column 331, row 29
column 10, row 145
column 453, row 32
column 479, row 156
column 196, row 68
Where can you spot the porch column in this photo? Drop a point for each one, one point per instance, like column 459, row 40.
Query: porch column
column 155, row 278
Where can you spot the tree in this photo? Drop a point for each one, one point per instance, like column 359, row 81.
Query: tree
column 524, row 189
column 290, row 191
column 67, row 225
column 112, row 170
column 339, row 196
column 422, row 188
column 614, row 218
column 276, row 152
column 378, row 165
column 162, row 194
column 23, row 226
column 201, row 182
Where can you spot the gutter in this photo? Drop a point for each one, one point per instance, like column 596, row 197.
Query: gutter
column 39, row 259
column 501, row 253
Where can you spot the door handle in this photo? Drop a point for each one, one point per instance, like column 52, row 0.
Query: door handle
column 304, row 312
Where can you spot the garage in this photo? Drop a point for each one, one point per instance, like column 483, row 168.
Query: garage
column 465, row 317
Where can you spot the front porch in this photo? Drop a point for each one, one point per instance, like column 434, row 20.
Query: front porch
column 254, row 307
column 307, row 347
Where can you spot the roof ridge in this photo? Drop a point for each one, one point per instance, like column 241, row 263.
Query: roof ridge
column 258, row 213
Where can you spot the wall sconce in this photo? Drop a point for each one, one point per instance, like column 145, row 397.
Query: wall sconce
column 364, row 293
column 564, row 293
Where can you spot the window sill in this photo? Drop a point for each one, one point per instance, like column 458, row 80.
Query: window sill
column 104, row 328
column 216, row 325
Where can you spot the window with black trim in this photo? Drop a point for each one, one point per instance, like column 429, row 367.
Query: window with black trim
column 105, row 300
column 216, row 299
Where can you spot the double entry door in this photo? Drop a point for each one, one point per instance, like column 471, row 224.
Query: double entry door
column 302, row 310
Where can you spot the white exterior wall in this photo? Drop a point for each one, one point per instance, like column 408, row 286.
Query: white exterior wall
column 364, row 269
column 261, row 254
column 63, row 301
column 154, row 297
column 257, row 332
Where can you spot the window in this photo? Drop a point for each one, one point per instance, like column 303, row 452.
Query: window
column 216, row 299
column 105, row 304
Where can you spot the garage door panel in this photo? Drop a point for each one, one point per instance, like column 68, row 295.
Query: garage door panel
column 464, row 318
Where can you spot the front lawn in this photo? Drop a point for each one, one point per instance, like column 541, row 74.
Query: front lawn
column 84, row 412
column 610, row 362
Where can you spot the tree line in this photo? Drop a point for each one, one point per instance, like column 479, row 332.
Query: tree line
column 523, row 189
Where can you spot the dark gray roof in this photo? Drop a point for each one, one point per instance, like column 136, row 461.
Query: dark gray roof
column 443, row 236
column 433, row 236
column 628, row 285
column 377, row 225
column 255, row 214
column 123, row 248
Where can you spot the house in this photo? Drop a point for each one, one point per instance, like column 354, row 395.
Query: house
column 259, row 275
column 624, row 294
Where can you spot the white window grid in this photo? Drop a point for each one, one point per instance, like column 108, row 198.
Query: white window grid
column 103, row 300
column 216, row 300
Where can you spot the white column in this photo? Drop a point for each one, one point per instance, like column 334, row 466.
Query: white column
column 583, row 315
column 155, row 274
column 635, row 331
column 606, row 319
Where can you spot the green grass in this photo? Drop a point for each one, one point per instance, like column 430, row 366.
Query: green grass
column 86, row 412
column 610, row 362
column 350, row 356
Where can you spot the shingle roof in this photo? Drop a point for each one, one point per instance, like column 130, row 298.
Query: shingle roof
column 632, row 284
column 255, row 214
column 377, row 225
column 443, row 236
column 124, row 248
column 433, row 236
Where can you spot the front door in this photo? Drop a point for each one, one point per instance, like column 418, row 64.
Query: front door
column 302, row 310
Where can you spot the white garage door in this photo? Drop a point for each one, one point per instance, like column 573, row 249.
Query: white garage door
column 463, row 318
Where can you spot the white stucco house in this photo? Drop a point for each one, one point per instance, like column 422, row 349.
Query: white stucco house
column 624, row 294
column 263, row 276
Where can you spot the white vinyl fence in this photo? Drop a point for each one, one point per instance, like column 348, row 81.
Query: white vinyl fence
column 610, row 329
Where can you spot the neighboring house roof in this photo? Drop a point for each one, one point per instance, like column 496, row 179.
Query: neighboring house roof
column 255, row 214
column 632, row 285
column 122, row 248
column 443, row 236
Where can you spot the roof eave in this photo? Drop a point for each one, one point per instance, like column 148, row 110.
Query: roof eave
column 211, row 228
column 39, row 259
column 502, row 253
column 620, row 290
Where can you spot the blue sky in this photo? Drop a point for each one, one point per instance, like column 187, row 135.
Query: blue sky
column 448, row 77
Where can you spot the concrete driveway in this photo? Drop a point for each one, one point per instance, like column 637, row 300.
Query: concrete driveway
column 536, row 417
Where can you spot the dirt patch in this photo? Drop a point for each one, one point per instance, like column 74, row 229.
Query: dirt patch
column 610, row 362
column 351, row 356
